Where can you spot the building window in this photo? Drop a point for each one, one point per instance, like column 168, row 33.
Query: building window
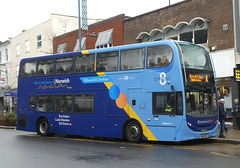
column 187, row 37
column 6, row 82
column 196, row 31
column 200, row 36
column 6, row 50
column 18, row 50
column 39, row 41
column 61, row 48
column 104, row 39
column 83, row 44
column 27, row 43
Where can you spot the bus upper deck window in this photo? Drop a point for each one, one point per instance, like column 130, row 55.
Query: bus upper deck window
column 45, row 67
column 64, row 65
column 107, row 61
column 159, row 56
column 195, row 57
column 84, row 64
column 28, row 69
column 132, row 59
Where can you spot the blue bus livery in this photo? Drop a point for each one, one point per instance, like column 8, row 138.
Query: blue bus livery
column 157, row 91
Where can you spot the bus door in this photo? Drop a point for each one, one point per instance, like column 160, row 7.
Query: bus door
column 162, row 122
column 31, row 111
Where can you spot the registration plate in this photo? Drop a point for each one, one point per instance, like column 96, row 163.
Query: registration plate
column 203, row 136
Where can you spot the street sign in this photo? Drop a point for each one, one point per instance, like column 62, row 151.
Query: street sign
column 237, row 74
column 7, row 94
column 2, row 82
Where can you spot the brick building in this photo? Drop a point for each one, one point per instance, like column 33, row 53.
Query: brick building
column 214, row 24
column 212, row 11
column 109, row 33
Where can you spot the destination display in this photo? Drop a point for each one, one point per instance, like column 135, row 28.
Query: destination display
column 199, row 77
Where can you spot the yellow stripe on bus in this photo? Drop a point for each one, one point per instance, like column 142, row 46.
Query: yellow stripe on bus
column 85, row 52
column 132, row 114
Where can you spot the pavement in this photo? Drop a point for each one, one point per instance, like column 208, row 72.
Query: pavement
column 7, row 127
column 232, row 135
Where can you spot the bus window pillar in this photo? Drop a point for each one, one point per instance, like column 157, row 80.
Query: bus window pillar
column 175, row 101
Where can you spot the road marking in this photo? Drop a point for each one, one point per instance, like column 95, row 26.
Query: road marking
column 89, row 140
column 126, row 143
column 219, row 154
column 51, row 137
column 186, row 148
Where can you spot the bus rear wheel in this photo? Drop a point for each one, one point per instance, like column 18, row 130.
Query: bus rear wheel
column 133, row 131
column 43, row 127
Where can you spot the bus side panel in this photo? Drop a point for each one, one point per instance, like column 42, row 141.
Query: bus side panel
column 97, row 124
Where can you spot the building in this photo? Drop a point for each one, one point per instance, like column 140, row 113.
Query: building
column 37, row 41
column 214, row 24
column 4, row 76
column 109, row 33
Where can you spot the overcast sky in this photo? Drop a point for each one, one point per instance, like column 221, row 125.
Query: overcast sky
column 18, row 15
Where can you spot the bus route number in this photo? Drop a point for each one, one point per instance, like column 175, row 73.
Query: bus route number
column 163, row 79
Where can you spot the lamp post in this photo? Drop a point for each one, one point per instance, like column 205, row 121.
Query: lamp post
column 79, row 24
column 80, row 28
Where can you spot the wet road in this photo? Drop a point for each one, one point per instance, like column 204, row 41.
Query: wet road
column 27, row 150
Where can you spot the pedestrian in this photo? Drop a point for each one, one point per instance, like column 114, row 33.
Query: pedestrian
column 164, row 62
column 219, row 93
column 222, row 117
column 237, row 112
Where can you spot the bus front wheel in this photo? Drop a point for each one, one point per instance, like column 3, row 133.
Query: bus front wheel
column 133, row 131
column 43, row 127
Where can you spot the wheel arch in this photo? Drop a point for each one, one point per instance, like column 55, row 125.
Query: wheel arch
column 126, row 123
column 37, row 123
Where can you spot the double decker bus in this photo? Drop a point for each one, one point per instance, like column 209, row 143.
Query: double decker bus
column 157, row 91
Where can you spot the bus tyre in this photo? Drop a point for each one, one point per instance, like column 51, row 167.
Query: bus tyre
column 133, row 131
column 43, row 127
